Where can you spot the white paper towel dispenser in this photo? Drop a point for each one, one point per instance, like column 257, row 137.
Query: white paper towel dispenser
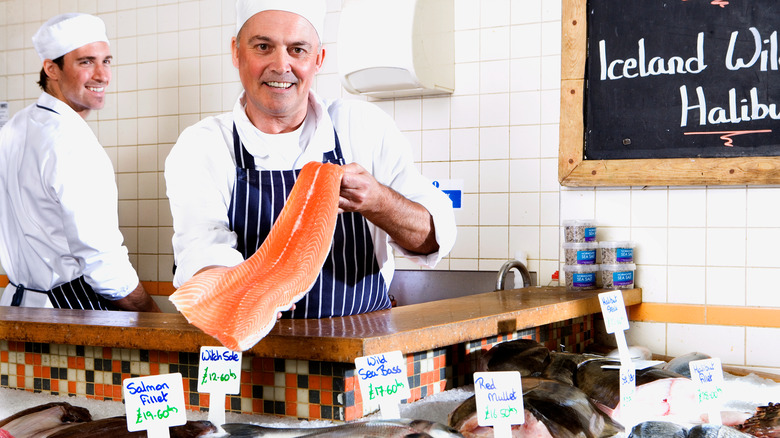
column 397, row 48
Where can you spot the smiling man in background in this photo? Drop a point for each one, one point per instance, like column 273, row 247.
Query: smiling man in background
column 229, row 176
column 59, row 231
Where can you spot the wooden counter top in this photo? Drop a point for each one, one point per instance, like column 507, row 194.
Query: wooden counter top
column 412, row 328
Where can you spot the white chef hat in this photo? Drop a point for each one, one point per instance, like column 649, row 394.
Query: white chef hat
column 312, row 10
column 67, row 32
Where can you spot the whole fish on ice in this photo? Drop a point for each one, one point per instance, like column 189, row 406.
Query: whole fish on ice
column 371, row 428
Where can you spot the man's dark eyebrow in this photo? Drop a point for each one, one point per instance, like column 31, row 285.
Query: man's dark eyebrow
column 93, row 58
column 265, row 39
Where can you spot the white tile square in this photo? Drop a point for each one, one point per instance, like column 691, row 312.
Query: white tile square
column 653, row 281
column 189, row 15
column 524, row 176
column 436, row 145
column 493, row 243
column 147, row 212
column 466, row 14
column 551, row 37
column 687, row 246
column 550, row 211
column 168, row 129
column 686, row 285
column 494, row 76
column 763, row 206
column 211, row 42
column 435, row 171
column 211, row 98
column 577, row 203
column 551, row 10
column 757, row 341
column 762, row 247
column 550, row 106
column 652, row 245
column 494, row 13
column 210, row 13
column 549, row 239
column 147, row 185
column 613, row 207
column 526, row 74
column 726, row 286
column 649, row 207
column 468, row 214
column 125, row 78
column 494, row 109
column 466, row 79
column 465, row 112
column 494, row 143
column 436, row 113
column 127, row 105
column 524, row 239
column 648, row 334
column 127, row 132
column 551, row 72
column 168, row 101
column 146, row 19
column 493, row 176
column 468, row 172
column 762, row 289
column 726, row 247
column 189, row 100
column 494, row 209
column 687, row 207
column 168, row 18
column 524, row 141
column 147, row 103
column 147, row 130
column 526, row 40
column 726, row 206
column 107, row 132
column 524, row 209
column 408, row 114
column 494, row 43
column 127, row 189
column 467, row 243
column 525, row 108
column 126, row 51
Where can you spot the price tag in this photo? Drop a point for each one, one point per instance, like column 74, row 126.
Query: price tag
column 219, row 373
column 614, row 311
column 707, row 375
column 154, row 403
column 627, row 392
column 383, row 379
column 499, row 397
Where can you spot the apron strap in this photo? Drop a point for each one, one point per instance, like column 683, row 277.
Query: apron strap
column 19, row 294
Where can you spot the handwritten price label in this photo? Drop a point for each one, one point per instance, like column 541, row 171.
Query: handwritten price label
column 219, row 370
column 614, row 311
column 707, row 374
column 154, row 402
column 499, row 397
column 383, row 377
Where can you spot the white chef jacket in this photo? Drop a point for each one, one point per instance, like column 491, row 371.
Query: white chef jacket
column 58, row 206
column 200, row 173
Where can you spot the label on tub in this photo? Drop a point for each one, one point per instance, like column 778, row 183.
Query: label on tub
column 583, row 279
column 586, row 257
column 624, row 255
column 623, row 278
column 590, row 234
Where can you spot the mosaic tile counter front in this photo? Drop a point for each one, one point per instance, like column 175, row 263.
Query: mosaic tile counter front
column 286, row 387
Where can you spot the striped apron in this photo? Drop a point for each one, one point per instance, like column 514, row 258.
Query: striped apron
column 349, row 282
column 76, row 294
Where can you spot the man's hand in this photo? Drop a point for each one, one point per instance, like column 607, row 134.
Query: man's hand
column 408, row 223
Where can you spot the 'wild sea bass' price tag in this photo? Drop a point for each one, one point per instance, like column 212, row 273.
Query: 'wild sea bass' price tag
column 382, row 378
column 154, row 403
column 707, row 375
column 499, row 397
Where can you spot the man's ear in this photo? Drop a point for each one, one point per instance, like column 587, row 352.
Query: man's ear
column 51, row 69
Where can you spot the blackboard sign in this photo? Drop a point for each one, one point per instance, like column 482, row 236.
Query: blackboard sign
column 681, row 79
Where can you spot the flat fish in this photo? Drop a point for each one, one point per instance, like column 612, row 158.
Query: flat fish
column 526, row 356
column 38, row 420
column 238, row 306
column 680, row 364
column 371, row 428
column 116, row 427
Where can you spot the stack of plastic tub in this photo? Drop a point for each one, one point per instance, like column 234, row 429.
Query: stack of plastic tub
column 580, row 268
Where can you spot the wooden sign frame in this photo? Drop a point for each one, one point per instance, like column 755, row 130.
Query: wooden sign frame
column 574, row 170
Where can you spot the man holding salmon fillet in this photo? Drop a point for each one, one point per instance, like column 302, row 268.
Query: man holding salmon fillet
column 59, row 230
column 228, row 176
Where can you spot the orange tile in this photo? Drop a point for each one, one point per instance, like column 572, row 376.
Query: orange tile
column 268, row 379
column 268, row 364
column 80, row 363
column 106, row 353
column 291, row 409
column 246, row 377
column 98, row 389
column 154, row 356
column 662, row 312
column 204, row 399
column 290, row 395
column 54, row 385
column 257, row 406
column 71, row 387
column 154, row 368
column 743, row 316
column 291, row 380
column 116, row 366
column 20, row 370
column 314, row 411
column 246, row 391
column 46, row 372
column 349, row 384
column 4, row 356
column 37, row 371
column 315, row 382
column 351, row 413
column 117, row 392
column 326, row 383
column 326, row 398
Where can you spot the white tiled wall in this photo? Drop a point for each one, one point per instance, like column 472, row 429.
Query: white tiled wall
column 498, row 133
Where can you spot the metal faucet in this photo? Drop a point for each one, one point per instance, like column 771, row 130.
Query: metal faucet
column 517, row 264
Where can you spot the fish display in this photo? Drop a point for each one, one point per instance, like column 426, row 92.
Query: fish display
column 239, row 305
column 372, row 428
column 38, row 420
column 552, row 409
column 62, row 420
column 764, row 423
column 657, row 429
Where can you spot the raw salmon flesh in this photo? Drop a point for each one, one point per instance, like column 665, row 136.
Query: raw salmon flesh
column 238, row 306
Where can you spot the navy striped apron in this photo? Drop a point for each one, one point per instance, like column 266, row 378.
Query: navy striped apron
column 349, row 282
column 76, row 294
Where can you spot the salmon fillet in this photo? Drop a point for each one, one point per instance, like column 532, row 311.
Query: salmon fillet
column 238, row 305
